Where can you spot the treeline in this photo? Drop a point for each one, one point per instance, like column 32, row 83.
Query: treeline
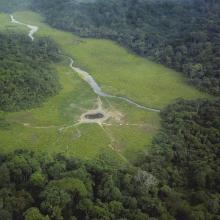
column 26, row 76
column 41, row 187
column 185, row 158
column 179, row 179
column 183, row 35
column 14, row 5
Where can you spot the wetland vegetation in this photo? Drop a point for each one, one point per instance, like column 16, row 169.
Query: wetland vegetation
column 92, row 130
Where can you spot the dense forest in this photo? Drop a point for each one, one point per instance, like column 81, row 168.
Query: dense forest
column 185, row 158
column 26, row 76
column 14, row 5
column 181, row 34
column 179, row 179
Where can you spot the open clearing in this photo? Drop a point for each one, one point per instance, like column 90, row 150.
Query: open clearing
column 127, row 131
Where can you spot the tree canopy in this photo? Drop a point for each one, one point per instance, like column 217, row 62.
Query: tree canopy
column 181, row 34
column 26, row 76
column 14, row 5
column 178, row 179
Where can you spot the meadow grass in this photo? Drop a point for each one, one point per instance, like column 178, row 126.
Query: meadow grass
column 6, row 25
column 119, row 73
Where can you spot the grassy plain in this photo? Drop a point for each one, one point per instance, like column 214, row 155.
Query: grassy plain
column 119, row 73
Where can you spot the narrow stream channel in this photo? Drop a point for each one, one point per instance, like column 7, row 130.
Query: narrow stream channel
column 85, row 75
column 33, row 29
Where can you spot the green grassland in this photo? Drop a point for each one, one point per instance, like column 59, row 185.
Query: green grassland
column 119, row 73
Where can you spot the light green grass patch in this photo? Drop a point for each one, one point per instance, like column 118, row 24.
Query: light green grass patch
column 119, row 73
column 6, row 25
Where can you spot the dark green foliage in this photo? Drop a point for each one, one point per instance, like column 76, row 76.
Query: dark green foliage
column 14, row 5
column 183, row 35
column 26, row 78
column 77, row 190
column 186, row 159
column 179, row 179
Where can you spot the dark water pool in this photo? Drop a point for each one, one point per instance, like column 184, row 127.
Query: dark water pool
column 94, row 116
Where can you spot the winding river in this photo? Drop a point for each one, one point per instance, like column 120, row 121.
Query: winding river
column 33, row 29
column 85, row 75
